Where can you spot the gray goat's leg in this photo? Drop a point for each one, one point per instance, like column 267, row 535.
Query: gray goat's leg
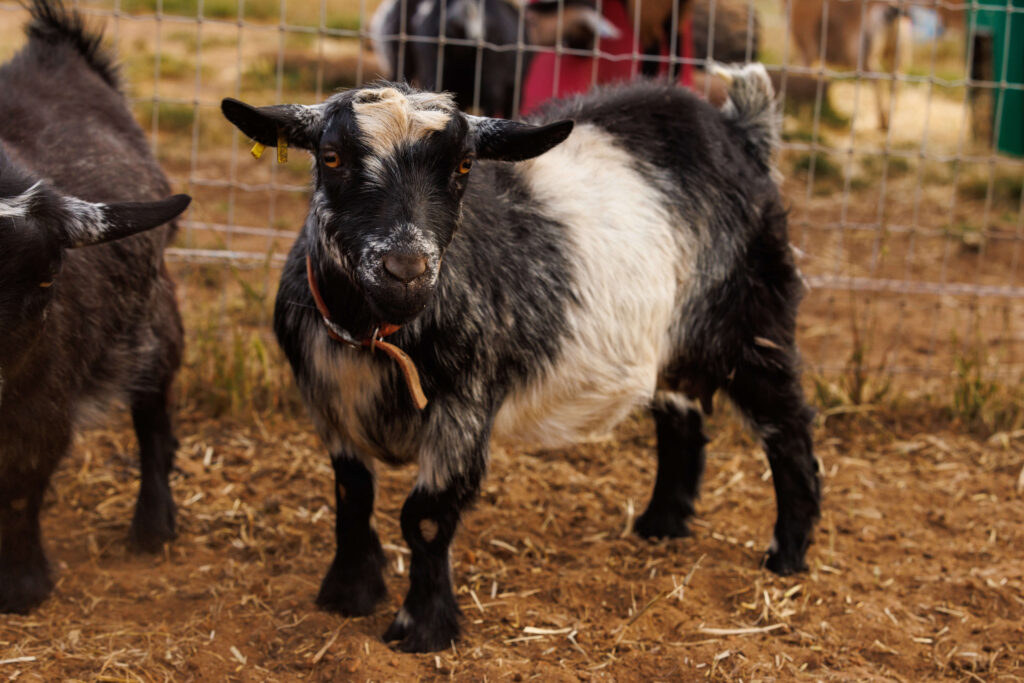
column 24, row 572
column 681, row 443
column 153, row 522
column 354, row 584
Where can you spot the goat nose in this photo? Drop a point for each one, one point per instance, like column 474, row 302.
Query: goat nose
column 405, row 266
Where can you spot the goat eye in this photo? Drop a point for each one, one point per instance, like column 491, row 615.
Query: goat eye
column 465, row 165
column 331, row 159
column 46, row 284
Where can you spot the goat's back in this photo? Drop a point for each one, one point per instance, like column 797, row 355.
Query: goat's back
column 63, row 120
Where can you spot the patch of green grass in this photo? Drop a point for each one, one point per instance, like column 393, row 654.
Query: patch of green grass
column 980, row 403
column 970, row 237
column 893, row 166
column 1006, row 188
column 215, row 9
column 861, row 382
column 828, row 116
column 948, row 74
column 798, row 135
column 140, row 65
column 171, row 118
column 344, row 22
column 828, row 175
column 231, row 367
column 188, row 40
column 299, row 73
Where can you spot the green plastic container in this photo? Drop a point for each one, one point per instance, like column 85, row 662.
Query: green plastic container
column 1002, row 28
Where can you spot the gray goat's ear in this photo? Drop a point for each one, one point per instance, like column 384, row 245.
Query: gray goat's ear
column 300, row 124
column 86, row 223
column 513, row 141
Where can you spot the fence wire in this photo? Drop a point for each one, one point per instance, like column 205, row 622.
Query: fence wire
column 909, row 235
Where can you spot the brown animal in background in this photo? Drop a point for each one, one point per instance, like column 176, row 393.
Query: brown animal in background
column 870, row 36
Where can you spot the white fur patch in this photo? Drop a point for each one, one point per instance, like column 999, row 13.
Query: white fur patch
column 19, row 206
column 402, row 619
column 347, row 381
column 424, row 10
column 86, row 223
column 474, row 19
column 633, row 267
column 404, row 237
column 681, row 402
column 388, row 119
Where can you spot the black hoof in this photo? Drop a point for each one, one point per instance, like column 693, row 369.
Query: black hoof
column 437, row 630
column 354, row 589
column 152, row 526
column 658, row 524
column 784, row 563
column 23, row 591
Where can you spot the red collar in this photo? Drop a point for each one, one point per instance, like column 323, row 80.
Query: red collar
column 374, row 341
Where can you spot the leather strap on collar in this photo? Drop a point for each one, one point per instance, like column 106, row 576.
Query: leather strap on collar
column 375, row 341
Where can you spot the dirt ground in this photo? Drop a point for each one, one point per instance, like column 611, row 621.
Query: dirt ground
column 916, row 571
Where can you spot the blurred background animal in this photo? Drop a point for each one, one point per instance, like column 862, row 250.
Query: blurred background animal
column 866, row 36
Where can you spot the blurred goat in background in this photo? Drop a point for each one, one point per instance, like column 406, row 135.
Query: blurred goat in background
column 871, row 37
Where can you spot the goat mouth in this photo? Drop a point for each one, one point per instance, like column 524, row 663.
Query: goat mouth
column 397, row 304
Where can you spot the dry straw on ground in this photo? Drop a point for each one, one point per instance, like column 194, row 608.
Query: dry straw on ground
column 915, row 573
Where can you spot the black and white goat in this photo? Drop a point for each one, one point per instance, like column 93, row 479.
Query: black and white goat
column 453, row 67
column 642, row 259
column 78, row 326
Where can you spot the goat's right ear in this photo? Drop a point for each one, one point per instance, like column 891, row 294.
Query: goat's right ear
column 513, row 141
column 87, row 223
column 301, row 124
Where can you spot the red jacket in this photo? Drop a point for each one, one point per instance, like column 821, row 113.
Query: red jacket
column 576, row 74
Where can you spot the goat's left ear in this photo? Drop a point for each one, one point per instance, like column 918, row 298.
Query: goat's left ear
column 513, row 141
column 301, row 124
column 87, row 223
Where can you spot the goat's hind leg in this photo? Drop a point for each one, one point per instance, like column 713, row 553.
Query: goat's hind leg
column 355, row 582
column 153, row 522
column 681, row 443
column 768, row 393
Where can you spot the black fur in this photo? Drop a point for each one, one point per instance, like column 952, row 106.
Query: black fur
column 680, row 467
column 354, row 584
column 53, row 26
column 108, row 326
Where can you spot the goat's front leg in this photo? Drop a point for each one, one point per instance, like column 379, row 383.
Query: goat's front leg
column 24, row 572
column 681, row 457
column 354, row 584
column 429, row 617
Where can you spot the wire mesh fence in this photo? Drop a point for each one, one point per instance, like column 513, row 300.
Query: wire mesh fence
column 901, row 154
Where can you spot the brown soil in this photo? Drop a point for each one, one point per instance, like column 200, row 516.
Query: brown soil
column 916, row 571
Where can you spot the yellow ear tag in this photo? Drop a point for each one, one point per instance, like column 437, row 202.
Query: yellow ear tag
column 282, row 147
column 257, row 149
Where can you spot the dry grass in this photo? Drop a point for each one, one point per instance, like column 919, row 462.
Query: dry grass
column 915, row 573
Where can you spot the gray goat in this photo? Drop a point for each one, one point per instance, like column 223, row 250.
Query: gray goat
column 78, row 326
column 642, row 261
